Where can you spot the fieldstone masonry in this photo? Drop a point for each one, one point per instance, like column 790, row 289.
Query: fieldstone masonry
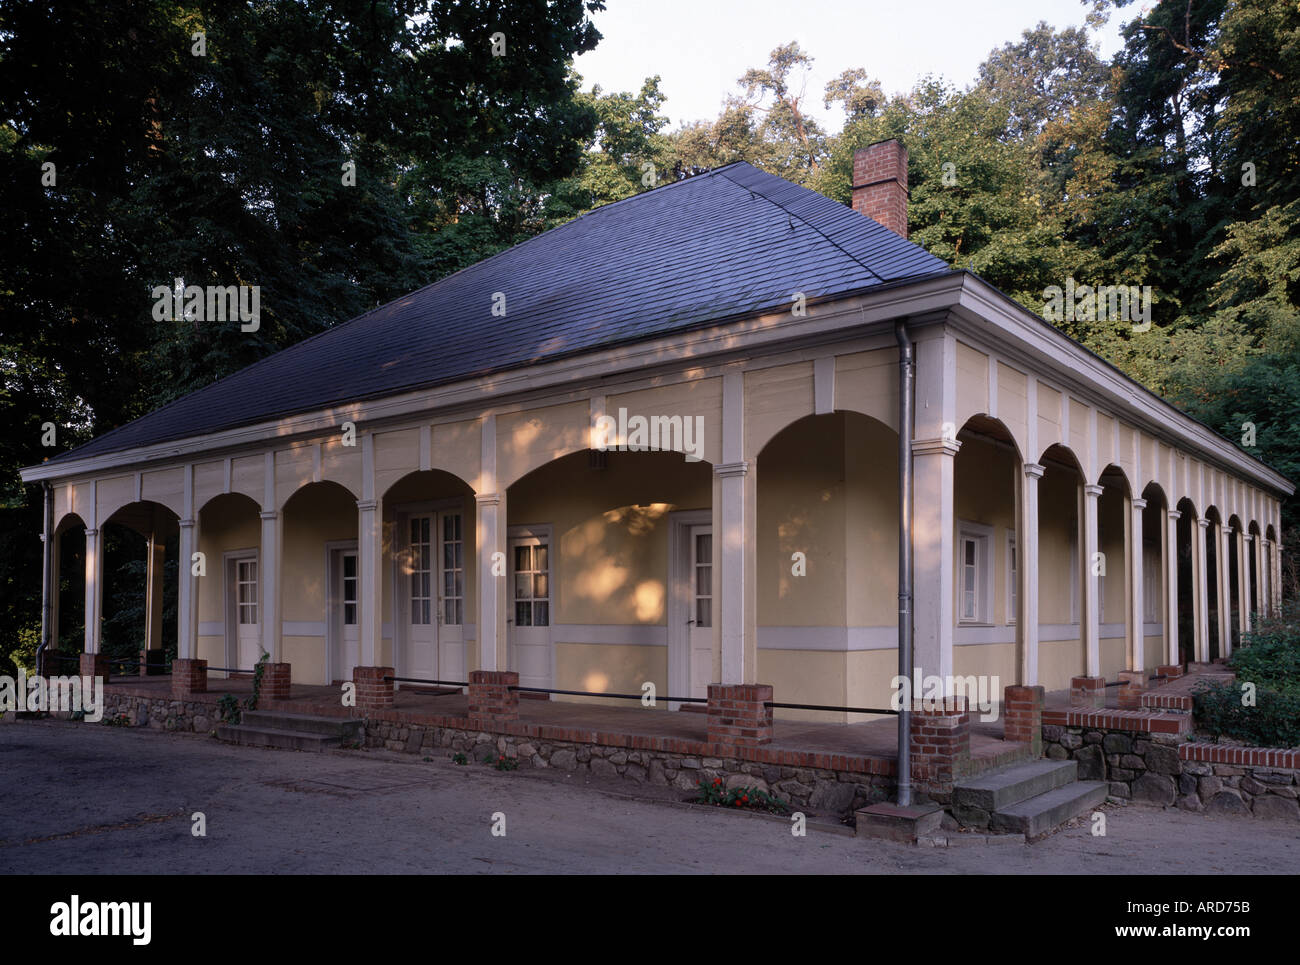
column 1155, row 769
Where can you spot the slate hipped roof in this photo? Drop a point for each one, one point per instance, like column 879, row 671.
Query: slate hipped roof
column 730, row 242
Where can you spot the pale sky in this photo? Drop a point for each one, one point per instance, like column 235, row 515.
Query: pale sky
column 700, row 47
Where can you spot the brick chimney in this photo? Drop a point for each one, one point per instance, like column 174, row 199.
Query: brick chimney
column 880, row 184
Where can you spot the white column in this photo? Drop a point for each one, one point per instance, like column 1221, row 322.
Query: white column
column 268, row 603
column 370, row 598
column 187, row 592
column 1224, row 572
column 1027, row 573
column 1275, row 571
column 493, row 565
column 1243, row 583
column 94, row 586
column 1136, row 588
column 933, row 554
column 1201, row 589
column 1171, row 587
column 1259, row 574
column 1091, row 605
column 731, row 584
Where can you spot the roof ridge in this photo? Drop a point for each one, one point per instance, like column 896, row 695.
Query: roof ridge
column 832, row 241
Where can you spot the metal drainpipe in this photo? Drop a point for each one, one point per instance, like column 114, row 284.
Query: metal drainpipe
column 47, row 577
column 905, row 374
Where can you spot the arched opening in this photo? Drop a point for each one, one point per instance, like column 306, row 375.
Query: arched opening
column 827, row 563
column 138, row 621
column 986, row 480
column 429, row 593
column 229, row 594
column 1214, row 601
column 1186, row 532
column 1061, row 651
column 1155, row 576
column 68, row 636
column 1112, row 567
column 610, row 575
column 1235, row 562
column 318, row 580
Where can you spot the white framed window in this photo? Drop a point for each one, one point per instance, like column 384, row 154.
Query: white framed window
column 246, row 590
column 453, row 569
column 1013, row 576
column 421, row 571
column 974, row 572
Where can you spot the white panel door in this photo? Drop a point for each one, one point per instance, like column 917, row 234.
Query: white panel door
column 451, row 596
column 248, row 637
column 530, row 617
column 421, row 616
column 347, row 644
column 701, row 622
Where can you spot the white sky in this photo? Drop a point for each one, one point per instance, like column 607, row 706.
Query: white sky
column 700, row 47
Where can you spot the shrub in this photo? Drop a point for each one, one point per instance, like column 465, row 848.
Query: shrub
column 1273, row 721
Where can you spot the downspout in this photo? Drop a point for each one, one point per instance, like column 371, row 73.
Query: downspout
column 47, row 577
column 905, row 374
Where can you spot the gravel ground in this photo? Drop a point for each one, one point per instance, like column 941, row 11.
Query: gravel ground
column 89, row 799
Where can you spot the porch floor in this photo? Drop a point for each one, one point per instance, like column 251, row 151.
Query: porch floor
column 872, row 739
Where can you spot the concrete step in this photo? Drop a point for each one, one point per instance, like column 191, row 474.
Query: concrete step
column 1001, row 788
column 294, row 740
column 346, row 728
column 1047, row 812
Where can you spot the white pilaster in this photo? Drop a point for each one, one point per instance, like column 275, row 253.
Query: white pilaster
column 933, row 554
column 1091, row 609
column 489, row 518
column 1224, row 573
column 187, row 592
column 1201, row 589
column 1027, row 574
column 1137, row 656
column 94, row 586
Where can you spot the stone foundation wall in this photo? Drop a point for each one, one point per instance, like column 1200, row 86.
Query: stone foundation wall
column 824, row 791
column 163, row 713
column 1152, row 769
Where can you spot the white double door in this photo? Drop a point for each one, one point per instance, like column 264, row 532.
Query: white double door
column 433, row 603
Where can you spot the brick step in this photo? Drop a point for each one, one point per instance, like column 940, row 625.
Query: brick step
column 1000, row 789
column 1046, row 812
column 345, row 728
column 294, row 740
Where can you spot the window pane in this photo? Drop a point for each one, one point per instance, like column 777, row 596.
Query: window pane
column 349, row 567
column 969, row 549
column 703, row 548
column 449, row 583
column 541, row 589
column 523, row 583
column 704, row 580
column 540, row 558
column 523, row 558
column 523, row 615
column 459, row 588
column 350, row 614
column 704, row 612
column 541, row 614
